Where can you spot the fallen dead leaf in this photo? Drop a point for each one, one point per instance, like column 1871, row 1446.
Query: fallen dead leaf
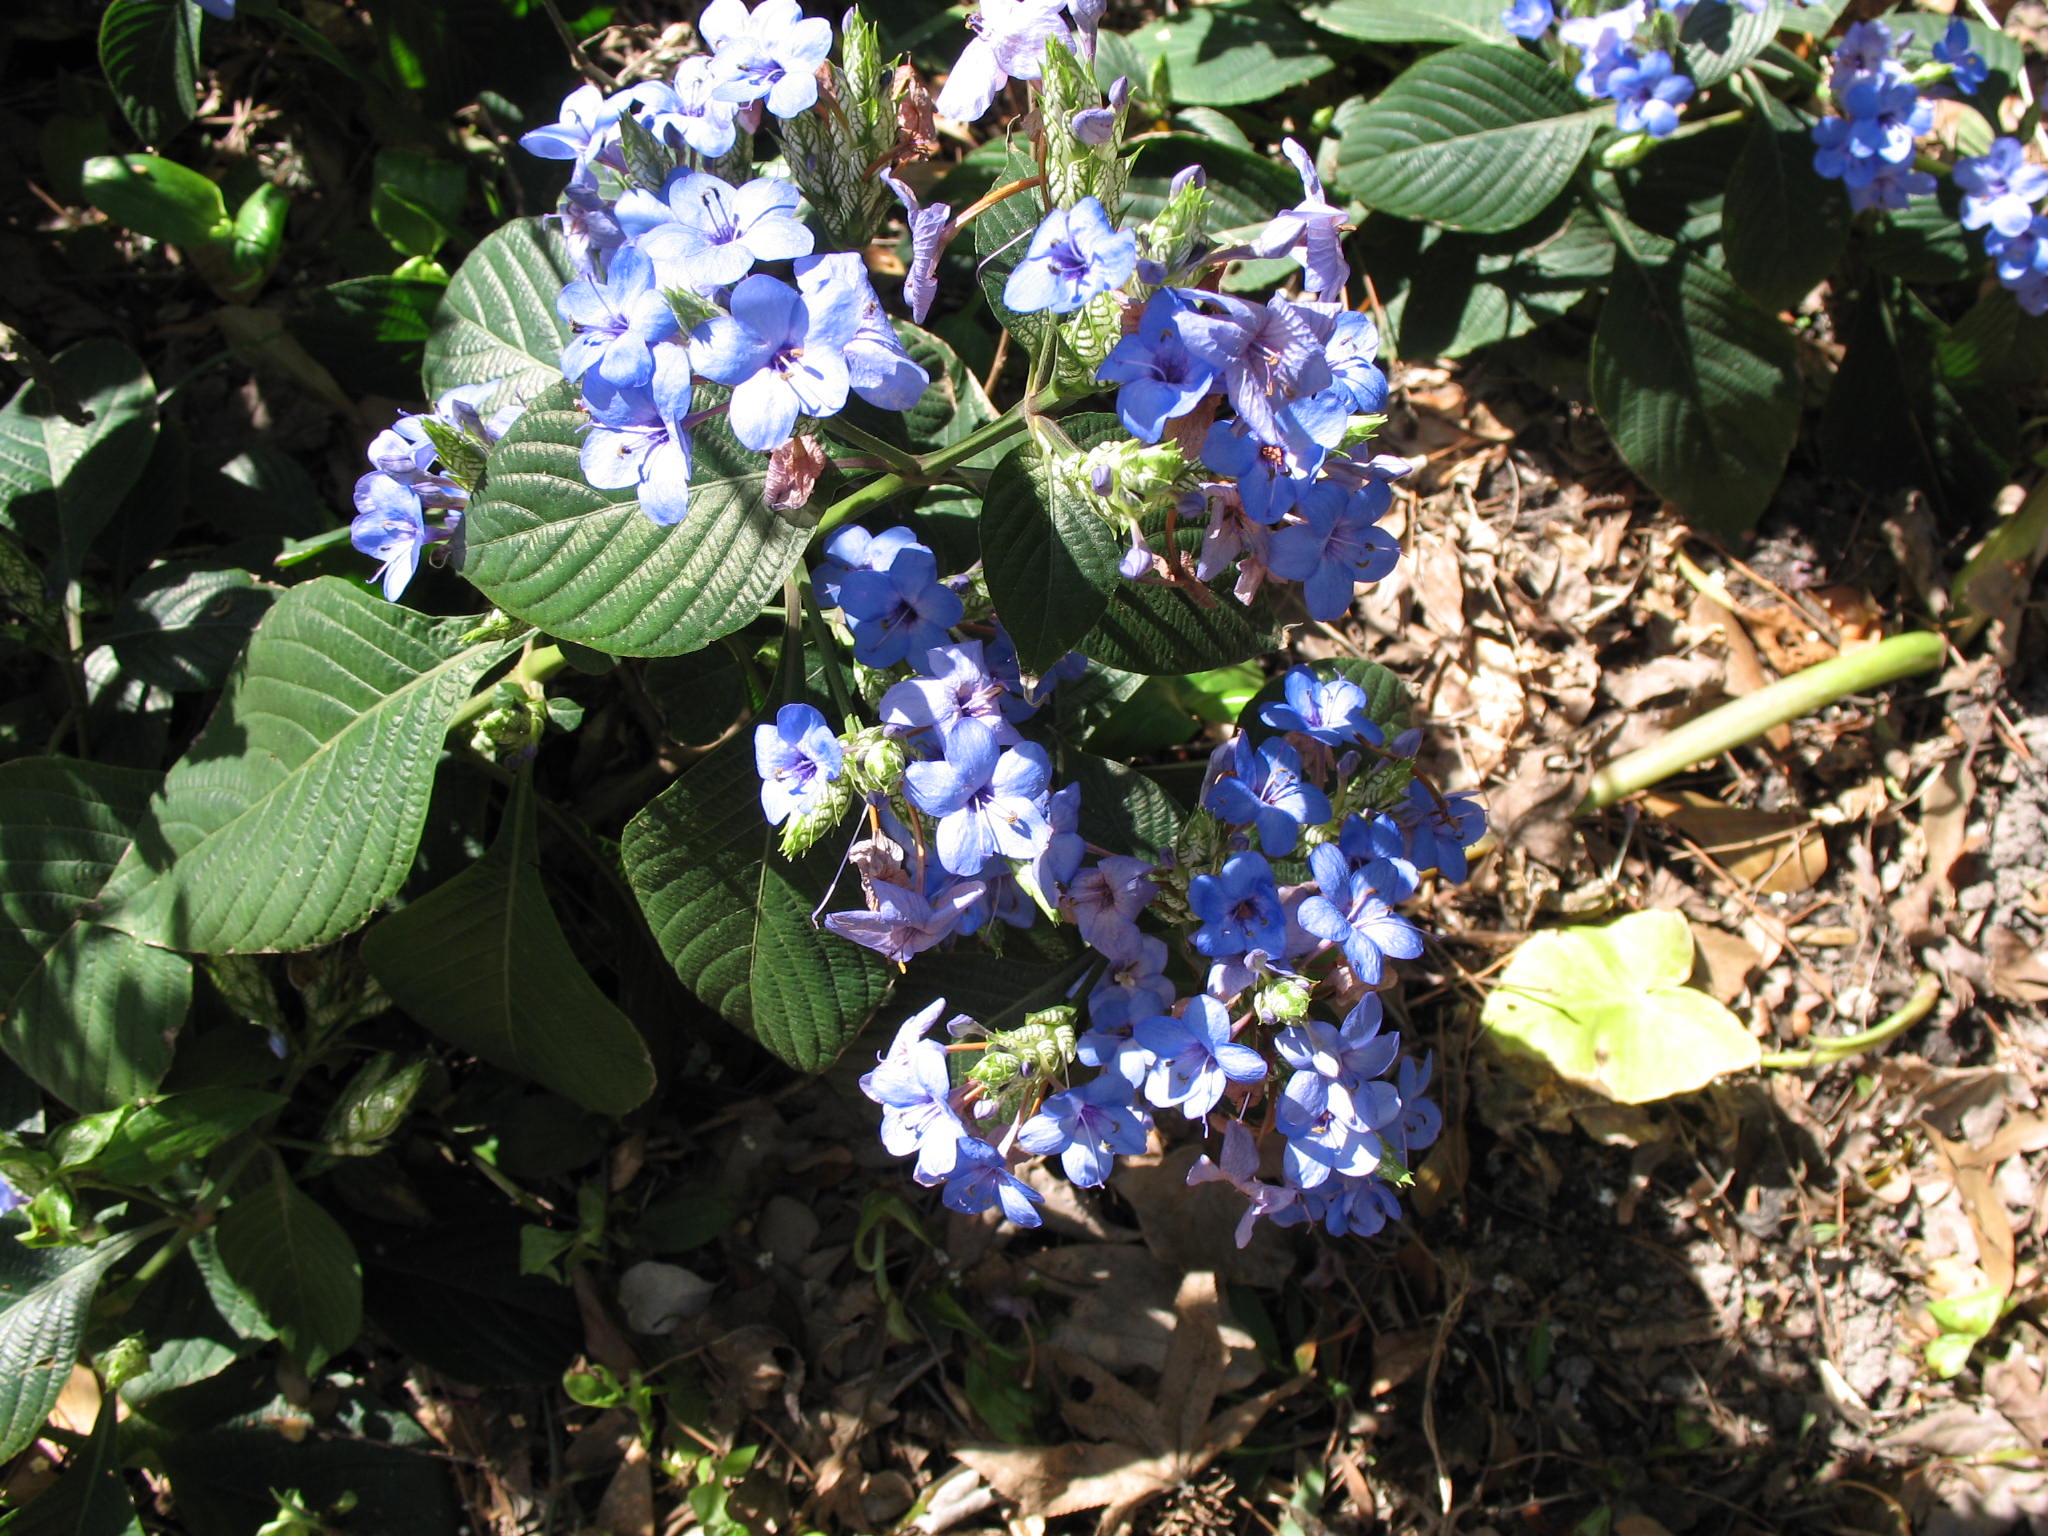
column 2018, row 974
column 1778, row 852
column 1724, row 961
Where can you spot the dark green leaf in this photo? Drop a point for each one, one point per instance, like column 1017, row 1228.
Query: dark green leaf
column 182, row 626
column 1924, row 242
column 60, row 483
column 590, row 566
column 1479, row 138
column 1122, row 811
column 90, row 1499
column 296, row 1264
column 45, row 1294
column 1163, row 630
column 1051, row 560
column 418, row 200
column 1037, row 969
column 1716, row 40
column 1404, row 21
column 153, row 1139
column 1229, row 55
column 157, row 197
column 482, row 963
column 953, row 405
column 1783, row 225
column 87, row 1012
column 1996, row 343
column 498, row 320
column 1699, row 388
column 149, row 51
column 371, row 332
column 296, row 813
column 224, row 1479
column 734, row 917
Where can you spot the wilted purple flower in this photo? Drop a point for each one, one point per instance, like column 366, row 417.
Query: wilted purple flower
column 702, row 234
column 1194, row 1059
column 1439, row 831
column 1095, row 125
column 1308, row 231
column 1337, row 544
column 1009, row 43
column 772, row 52
column 902, row 923
column 619, row 322
column 927, row 239
column 1239, row 1168
column 797, row 757
column 1104, row 901
column 784, row 356
column 900, row 610
column 1074, row 255
column 589, row 228
column 1865, row 49
column 990, row 801
column 1239, row 907
column 2000, row 188
column 637, row 438
column 1088, row 1126
column 1348, row 911
column 1159, row 378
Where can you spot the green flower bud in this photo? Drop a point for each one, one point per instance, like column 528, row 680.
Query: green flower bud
column 836, row 150
column 874, row 760
column 1626, row 151
column 1045, row 1042
column 496, row 625
column 1281, row 1000
column 123, row 1361
column 801, row 831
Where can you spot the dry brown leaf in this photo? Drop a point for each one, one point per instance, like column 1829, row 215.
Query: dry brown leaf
column 1686, row 675
column 1985, row 1209
column 627, row 1508
column 2018, row 974
column 1724, row 961
column 1788, row 638
column 1397, row 1355
column 1771, row 851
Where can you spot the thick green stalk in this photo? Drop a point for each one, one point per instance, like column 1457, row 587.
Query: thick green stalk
column 536, row 666
column 1747, row 718
column 931, row 468
column 1825, row 1052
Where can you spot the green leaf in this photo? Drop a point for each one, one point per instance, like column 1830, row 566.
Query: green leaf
column 1037, row 969
column 182, row 626
column 1897, row 416
column 418, row 200
column 498, row 320
column 1405, row 21
column 734, row 916
column 1783, row 225
column 152, row 1139
column 1974, row 1315
column 1996, row 342
column 87, row 1012
column 1002, row 233
column 1479, row 138
column 1699, row 388
column 1122, row 811
column 1163, row 631
column 1949, row 1353
column 1051, row 560
column 91, row 1498
column 60, row 483
column 1230, row 55
column 953, row 404
column 45, row 1294
column 276, row 1243
column 296, row 813
column 1608, row 1009
column 1923, row 242
column 590, row 566
column 1716, row 40
column 482, row 963
column 371, row 332
column 149, row 51
column 158, row 198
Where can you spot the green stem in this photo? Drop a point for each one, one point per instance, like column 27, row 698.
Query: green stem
column 1911, row 1012
column 939, row 460
column 931, row 467
column 828, row 655
column 536, row 666
column 898, row 460
column 1747, row 718
column 1695, row 125
column 298, row 551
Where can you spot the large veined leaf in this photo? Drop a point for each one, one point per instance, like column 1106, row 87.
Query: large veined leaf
column 182, row 626
column 1406, row 21
column 498, row 319
column 89, row 1013
column 1698, row 386
column 1717, row 40
column 482, row 962
column 734, row 916
column 45, row 1294
column 1783, row 224
column 1480, row 138
column 296, row 813
column 60, row 482
column 1037, row 969
column 277, row 1244
column 1050, row 558
column 1163, row 631
column 149, row 52
column 1229, row 55
column 590, row 566
column 953, row 404
column 1122, row 811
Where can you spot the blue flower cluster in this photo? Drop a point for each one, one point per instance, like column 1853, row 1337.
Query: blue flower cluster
column 1871, row 145
column 2001, row 191
column 964, row 827
column 1643, row 84
column 410, row 478
column 783, row 351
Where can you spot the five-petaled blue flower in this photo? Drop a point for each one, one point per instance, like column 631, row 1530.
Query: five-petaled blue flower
column 1263, row 786
column 1087, row 1126
column 703, row 234
column 783, row 354
column 619, row 322
column 637, row 437
column 1348, row 911
column 990, row 801
column 1074, row 255
column 1239, row 907
column 1194, row 1059
column 797, row 756
column 900, row 610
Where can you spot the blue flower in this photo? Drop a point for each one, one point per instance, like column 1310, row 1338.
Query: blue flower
column 1331, row 710
column 981, row 1179
column 1074, row 255
column 703, row 234
column 1865, row 49
column 1065, row 848
column 637, row 438
column 690, row 114
column 913, row 1085
column 1159, row 378
column 1309, row 231
column 957, row 687
column 1335, row 546
column 1352, row 353
column 388, row 527
column 1264, row 787
column 588, row 126
column 619, row 322
column 991, row 803
column 1104, row 901
column 797, row 757
column 1420, row 1119
column 1134, row 987
column 903, row 923
column 2000, row 188
column 1440, row 830
column 1885, row 117
column 878, row 367
column 1348, row 911
column 1239, row 1167
column 1528, row 19
column 1968, row 71
column 1270, row 481
column 772, row 52
column 1009, row 43
column 1353, row 1207
column 1609, row 53
column 1269, row 356
column 10, row 1197
column 225, row 10
column 784, row 356
column 1194, row 1059
column 1239, row 907
column 1088, row 1126
column 586, row 223
column 1647, row 95
column 900, row 610
column 853, row 548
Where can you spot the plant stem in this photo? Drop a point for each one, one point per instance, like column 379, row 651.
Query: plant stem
column 931, row 467
column 1911, row 1012
column 828, row 653
column 535, row 666
column 899, row 460
column 1747, row 718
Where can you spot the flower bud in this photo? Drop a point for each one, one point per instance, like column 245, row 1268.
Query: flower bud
column 1281, row 999
column 874, row 760
column 827, row 810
